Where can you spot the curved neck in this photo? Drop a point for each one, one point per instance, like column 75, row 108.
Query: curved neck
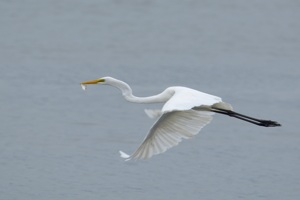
column 127, row 94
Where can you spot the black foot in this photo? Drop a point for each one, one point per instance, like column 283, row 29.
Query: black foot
column 268, row 123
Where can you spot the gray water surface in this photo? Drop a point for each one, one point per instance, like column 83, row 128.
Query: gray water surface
column 59, row 142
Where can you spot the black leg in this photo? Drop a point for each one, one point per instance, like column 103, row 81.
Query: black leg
column 259, row 122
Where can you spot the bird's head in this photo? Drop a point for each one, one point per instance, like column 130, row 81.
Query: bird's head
column 103, row 81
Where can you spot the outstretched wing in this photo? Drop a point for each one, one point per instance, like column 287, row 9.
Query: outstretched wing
column 169, row 130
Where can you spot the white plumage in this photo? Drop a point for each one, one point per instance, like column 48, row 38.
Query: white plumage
column 169, row 130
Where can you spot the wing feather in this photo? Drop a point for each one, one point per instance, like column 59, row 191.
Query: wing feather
column 169, row 130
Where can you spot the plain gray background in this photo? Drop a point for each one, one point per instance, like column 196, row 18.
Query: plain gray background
column 59, row 142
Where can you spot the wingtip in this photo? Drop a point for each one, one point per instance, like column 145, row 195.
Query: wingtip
column 124, row 155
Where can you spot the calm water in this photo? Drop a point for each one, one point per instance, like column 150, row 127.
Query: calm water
column 58, row 142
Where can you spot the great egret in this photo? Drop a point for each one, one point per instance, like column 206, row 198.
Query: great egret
column 184, row 114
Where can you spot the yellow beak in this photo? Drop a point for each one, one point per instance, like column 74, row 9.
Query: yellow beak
column 92, row 81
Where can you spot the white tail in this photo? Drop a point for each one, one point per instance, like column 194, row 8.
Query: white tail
column 222, row 105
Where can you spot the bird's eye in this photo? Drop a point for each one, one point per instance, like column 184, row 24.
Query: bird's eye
column 101, row 80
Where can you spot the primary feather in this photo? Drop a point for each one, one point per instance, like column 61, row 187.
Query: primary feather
column 169, row 130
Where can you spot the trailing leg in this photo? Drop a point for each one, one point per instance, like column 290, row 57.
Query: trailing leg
column 259, row 122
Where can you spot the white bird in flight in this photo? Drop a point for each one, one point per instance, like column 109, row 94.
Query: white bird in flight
column 185, row 112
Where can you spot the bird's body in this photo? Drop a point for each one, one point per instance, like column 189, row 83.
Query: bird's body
column 183, row 98
column 185, row 112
